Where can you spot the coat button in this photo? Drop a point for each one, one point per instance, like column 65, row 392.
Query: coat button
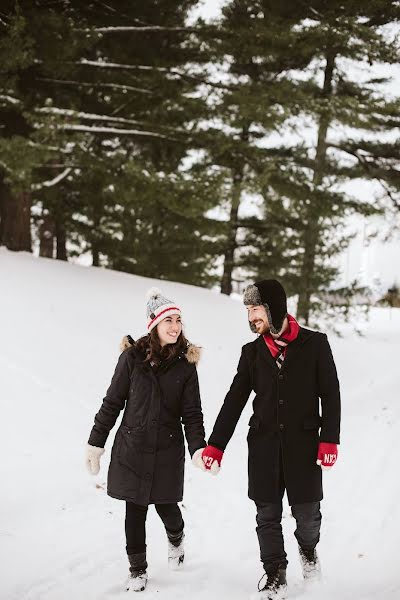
column 147, row 476
column 128, row 431
column 281, row 426
column 280, row 376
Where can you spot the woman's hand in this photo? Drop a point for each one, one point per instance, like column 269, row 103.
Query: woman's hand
column 93, row 454
column 197, row 459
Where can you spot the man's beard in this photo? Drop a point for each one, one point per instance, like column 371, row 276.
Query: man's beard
column 266, row 329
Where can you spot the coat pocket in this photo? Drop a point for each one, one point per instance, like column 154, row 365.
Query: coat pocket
column 169, row 437
column 129, row 448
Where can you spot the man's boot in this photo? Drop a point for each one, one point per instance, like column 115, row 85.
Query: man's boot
column 275, row 586
column 176, row 551
column 310, row 563
column 138, row 574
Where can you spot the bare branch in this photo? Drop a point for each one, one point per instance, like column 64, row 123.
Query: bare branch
column 167, row 70
column 143, row 28
column 130, row 88
column 57, row 179
column 371, row 171
column 82, row 115
column 114, row 131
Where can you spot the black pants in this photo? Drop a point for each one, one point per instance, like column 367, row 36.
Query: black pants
column 269, row 528
column 135, row 524
column 269, row 531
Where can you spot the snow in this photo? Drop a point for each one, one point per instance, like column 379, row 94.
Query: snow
column 53, row 181
column 62, row 537
column 111, row 65
column 83, row 115
column 113, row 130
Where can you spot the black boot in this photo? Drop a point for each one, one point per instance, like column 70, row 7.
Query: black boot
column 310, row 563
column 275, row 587
column 138, row 574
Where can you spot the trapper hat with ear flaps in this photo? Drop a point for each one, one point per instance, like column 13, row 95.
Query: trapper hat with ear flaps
column 158, row 308
column 270, row 294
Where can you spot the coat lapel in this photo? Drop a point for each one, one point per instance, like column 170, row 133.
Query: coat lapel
column 266, row 355
column 294, row 348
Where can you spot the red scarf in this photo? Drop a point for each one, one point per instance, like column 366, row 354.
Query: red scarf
column 276, row 345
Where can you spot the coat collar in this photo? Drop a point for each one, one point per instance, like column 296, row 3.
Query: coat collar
column 292, row 350
column 192, row 353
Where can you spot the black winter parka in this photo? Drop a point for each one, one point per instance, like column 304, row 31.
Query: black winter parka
column 294, row 408
column 148, row 454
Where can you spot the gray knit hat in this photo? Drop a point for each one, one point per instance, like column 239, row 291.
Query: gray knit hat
column 159, row 307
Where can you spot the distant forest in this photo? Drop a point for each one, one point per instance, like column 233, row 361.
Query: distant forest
column 137, row 134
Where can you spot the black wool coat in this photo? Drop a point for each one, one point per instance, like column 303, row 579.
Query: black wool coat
column 148, row 454
column 294, row 409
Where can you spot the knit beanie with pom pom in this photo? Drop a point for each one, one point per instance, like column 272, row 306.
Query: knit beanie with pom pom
column 159, row 307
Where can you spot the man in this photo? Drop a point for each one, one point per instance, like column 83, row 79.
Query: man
column 292, row 372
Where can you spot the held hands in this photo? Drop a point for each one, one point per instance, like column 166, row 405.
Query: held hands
column 327, row 455
column 93, row 454
column 212, row 458
column 208, row 459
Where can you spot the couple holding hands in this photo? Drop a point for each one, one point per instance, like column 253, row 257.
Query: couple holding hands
column 293, row 432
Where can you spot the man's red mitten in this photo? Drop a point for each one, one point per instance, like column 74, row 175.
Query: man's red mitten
column 327, row 455
column 212, row 458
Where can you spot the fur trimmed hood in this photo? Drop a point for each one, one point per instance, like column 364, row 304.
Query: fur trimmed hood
column 192, row 354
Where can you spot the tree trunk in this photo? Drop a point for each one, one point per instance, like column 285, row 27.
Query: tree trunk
column 311, row 232
column 46, row 234
column 15, row 219
column 231, row 244
column 61, row 237
column 95, row 255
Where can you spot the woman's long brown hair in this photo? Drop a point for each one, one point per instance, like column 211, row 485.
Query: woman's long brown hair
column 150, row 346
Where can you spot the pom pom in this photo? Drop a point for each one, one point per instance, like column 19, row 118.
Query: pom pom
column 153, row 292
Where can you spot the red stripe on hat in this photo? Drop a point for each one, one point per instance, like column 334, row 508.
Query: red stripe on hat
column 161, row 313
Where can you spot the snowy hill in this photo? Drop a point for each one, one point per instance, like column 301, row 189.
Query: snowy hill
column 61, row 537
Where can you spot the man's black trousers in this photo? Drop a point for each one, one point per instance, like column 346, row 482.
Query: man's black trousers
column 269, row 528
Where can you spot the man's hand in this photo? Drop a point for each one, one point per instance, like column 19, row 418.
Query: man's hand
column 327, row 455
column 212, row 458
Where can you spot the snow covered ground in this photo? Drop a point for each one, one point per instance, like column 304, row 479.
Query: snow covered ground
column 61, row 537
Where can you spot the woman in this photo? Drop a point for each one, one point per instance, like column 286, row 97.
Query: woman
column 155, row 384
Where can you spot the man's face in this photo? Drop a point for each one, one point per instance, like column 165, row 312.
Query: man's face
column 258, row 319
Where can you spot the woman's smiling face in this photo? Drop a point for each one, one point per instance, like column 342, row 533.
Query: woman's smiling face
column 169, row 329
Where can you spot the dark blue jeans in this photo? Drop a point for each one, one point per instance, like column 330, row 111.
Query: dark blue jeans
column 269, row 531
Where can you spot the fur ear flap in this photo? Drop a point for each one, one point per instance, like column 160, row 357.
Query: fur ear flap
column 126, row 342
column 193, row 354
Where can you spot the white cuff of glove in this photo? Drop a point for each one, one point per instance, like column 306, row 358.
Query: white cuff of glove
column 215, row 468
column 197, row 459
column 324, row 467
column 93, row 454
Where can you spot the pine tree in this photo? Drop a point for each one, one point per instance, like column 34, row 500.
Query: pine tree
column 253, row 46
column 304, row 206
column 112, row 98
column 339, row 35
